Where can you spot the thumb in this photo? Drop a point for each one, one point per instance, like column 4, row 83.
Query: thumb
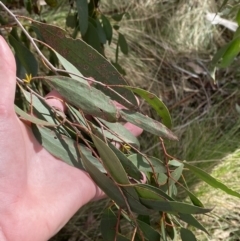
column 7, row 77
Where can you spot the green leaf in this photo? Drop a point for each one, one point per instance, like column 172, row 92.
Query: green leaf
column 77, row 116
column 122, row 132
column 211, row 180
column 43, row 111
column 148, row 232
column 64, row 148
column 52, row 3
column 163, row 230
column 91, row 37
column 155, row 103
column 23, row 115
column 87, row 60
column 143, row 165
column 116, row 27
column 71, row 21
column 218, row 56
column 146, row 193
column 122, row 43
column 173, row 206
column 28, row 5
column 129, row 167
column 147, row 124
column 189, row 219
column 118, row 16
column 170, row 227
column 90, row 100
column 232, row 51
column 175, row 175
column 25, row 56
column 82, row 8
column 108, row 226
column 238, row 17
column 107, row 28
column 110, row 161
column 70, row 68
column 101, row 33
column 194, row 199
column 187, row 235
column 104, row 182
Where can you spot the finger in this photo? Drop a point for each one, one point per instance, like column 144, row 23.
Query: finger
column 7, row 78
column 54, row 99
column 135, row 130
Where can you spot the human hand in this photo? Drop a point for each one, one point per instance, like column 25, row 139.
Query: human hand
column 38, row 192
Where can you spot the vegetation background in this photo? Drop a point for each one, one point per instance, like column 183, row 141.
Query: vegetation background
column 171, row 45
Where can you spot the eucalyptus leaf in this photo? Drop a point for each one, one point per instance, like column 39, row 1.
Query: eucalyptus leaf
column 129, row 167
column 104, row 182
column 108, row 226
column 91, row 37
column 64, row 147
column 87, row 98
column 25, row 56
column 147, row 124
column 82, row 8
column 23, row 115
column 149, row 232
column 189, row 219
column 155, row 103
column 211, row 180
column 143, row 165
column 123, row 43
column 122, row 132
column 176, row 174
column 70, row 68
column 187, row 235
column 173, row 206
column 110, row 161
column 87, row 60
column 107, row 28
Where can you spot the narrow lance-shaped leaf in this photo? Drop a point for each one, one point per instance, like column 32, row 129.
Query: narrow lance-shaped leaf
column 189, row 219
column 232, row 51
column 126, row 163
column 153, row 200
column 91, row 37
column 104, row 182
column 121, row 132
column 143, row 165
column 87, row 98
column 70, row 68
column 187, row 235
column 176, row 174
column 122, row 43
column 82, row 8
column 110, row 161
column 63, row 147
column 108, row 226
column 25, row 116
column 107, row 28
column 155, row 103
column 211, row 180
column 25, row 56
column 149, row 232
column 172, row 206
column 147, row 124
column 89, row 62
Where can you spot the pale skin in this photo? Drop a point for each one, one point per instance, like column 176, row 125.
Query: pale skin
column 38, row 192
